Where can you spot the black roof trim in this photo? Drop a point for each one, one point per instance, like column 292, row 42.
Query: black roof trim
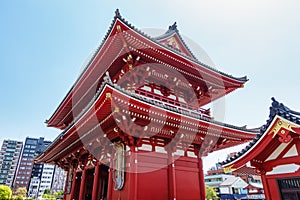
column 276, row 108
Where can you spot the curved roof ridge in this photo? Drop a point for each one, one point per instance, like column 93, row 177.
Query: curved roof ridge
column 118, row 16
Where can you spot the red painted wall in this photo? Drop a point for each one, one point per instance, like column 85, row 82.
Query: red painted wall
column 187, row 178
column 154, row 184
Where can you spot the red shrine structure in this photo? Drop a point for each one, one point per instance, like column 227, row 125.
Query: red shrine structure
column 274, row 154
column 133, row 123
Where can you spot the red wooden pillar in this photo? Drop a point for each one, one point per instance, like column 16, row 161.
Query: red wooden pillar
column 135, row 165
column 110, row 180
column 96, row 181
column 265, row 185
column 133, row 173
column 132, row 182
column 201, row 179
column 73, row 185
column 171, row 176
column 82, row 184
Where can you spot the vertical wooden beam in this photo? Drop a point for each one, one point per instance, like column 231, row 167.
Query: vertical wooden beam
column 110, row 179
column 171, row 176
column 96, row 181
column 266, row 185
column 298, row 146
column 201, row 179
column 73, row 185
column 82, row 184
column 133, row 174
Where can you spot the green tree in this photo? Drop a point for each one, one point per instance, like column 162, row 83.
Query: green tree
column 5, row 192
column 17, row 198
column 59, row 194
column 48, row 196
column 211, row 194
column 47, row 191
column 19, row 194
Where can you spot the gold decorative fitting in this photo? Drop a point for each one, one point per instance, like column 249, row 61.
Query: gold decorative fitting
column 119, row 28
column 229, row 169
column 282, row 128
column 116, row 109
column 108, row 95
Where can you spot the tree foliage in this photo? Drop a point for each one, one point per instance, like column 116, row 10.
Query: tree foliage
column 21, row 192
column 5, row 192
column 47, row 191
column 211, row 194
column 17, row 198
column 52, row 196
column 48, row 196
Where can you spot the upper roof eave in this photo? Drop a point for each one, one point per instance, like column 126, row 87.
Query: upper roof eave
column 50, row 122
column 191, row 59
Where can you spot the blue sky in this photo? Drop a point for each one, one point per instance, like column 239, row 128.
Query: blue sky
column 44, row 44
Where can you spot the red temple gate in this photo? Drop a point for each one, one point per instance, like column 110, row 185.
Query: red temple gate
column 133, row 123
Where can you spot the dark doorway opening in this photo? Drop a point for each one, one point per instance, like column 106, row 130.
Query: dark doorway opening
column 289, row 188
column 89, row 180
column 103, row 182
column 77, row 185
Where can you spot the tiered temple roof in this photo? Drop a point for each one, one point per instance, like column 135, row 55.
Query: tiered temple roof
column 122, row 38
column 102, row 106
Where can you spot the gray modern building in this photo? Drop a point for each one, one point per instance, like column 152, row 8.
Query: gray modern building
column 9, row 159
column 59, row 179
column 41, row 181
column 27, row 169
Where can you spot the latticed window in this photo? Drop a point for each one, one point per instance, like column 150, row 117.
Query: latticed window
column 289, row 188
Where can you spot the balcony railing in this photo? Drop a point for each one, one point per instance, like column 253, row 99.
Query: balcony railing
column 175, row 103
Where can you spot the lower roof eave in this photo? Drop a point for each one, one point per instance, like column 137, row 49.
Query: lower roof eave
column 109, row 89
